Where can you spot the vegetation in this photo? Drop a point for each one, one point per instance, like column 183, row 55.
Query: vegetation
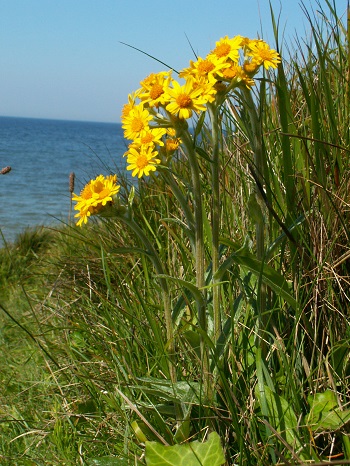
column 205, row 319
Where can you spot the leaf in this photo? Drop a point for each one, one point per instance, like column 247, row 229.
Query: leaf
column 196, row 293
column 164, row 389
column 282, row 417
column 339, row 358
column 325, row 413
column 268, row 275
column 322, row 401
column 209, row 453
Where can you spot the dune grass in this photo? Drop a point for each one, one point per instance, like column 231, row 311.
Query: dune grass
column 127, row 335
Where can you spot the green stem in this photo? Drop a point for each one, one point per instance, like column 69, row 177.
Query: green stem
column 182, row 132
column 259, row 166
column 215, row 217
column 169, row 178
column 188, row 144
column 153, row 255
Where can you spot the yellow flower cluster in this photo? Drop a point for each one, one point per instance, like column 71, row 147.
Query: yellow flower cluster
column 96, row 194
column 148, row 117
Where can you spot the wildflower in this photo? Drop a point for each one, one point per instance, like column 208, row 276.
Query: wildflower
column 94, row 196
column 153, row 88
column 207, row 87
column 171, row 144
column 130, row 105
column 142, row 160
column 210, row 66
column 184, row 100
column 136, row 121
column 262, row 54
column 237, row 75
column 150, row 137
column 250, row 67
column 227, row 48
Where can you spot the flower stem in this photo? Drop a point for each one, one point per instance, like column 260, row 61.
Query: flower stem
column 215, row 217
column 259, row 165
column 153, row 255
column 181, row 128
column 170, row 179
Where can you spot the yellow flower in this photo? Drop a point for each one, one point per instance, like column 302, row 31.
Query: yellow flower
column 171, row 132
column 250, row 67
column 142, row 160
column 94, row 196
column 207, row 67
column 233, row 72
column 207, row 87
column 262, row 54
column 236, row 75
column 171, row 144
column 130, row 105
column 150, row 137
column 227, row 48
column 153, row 88
column 184, row 100
column 136, row 121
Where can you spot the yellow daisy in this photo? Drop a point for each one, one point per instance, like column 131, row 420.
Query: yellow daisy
column 171, row 144
column 136, row 121
column 94, row 196
column 150, row 137
column 227, row 48
column 205, row 67
column 235, row 74
column 130, row 105
column 206, row 86
column 153, row 88
column 184, row 100
column 262, row 54
column 142, row 160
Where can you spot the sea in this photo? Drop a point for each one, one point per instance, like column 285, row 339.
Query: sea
column 42, row 154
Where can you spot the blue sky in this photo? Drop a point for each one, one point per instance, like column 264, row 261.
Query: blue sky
column 63, row 58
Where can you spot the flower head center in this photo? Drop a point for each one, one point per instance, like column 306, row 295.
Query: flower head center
column 264, row 54
column 184, row 101
column 231, row 72
column 156, row 91
column 147, row 138
column 141, row 161
column 86, row 193
column 205, row 67
column 137, row 125
column 222, row 50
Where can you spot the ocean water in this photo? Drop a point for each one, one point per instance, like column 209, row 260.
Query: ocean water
column 42, row 154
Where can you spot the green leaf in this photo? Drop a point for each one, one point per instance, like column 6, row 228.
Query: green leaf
column 325, row 413
column 166, row 390
column 339, row 358
column 209, row 453
column 196, row 293
column 269, row 276
column 325, row 401
column 282, row 417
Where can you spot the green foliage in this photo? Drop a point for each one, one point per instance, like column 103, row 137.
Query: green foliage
column 125, row 342
column 324, row 412
column 192, row 454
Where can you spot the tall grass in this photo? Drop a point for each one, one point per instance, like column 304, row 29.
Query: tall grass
column 218, row 300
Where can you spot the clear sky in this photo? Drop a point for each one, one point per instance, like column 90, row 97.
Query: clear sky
column 63, row 58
